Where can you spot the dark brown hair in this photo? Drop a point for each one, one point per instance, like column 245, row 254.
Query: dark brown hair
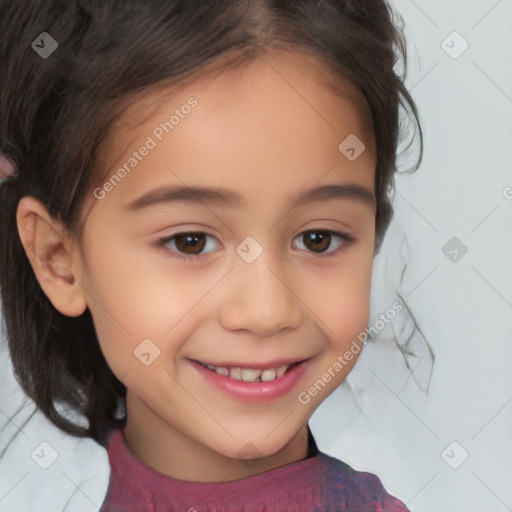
column 55, row 112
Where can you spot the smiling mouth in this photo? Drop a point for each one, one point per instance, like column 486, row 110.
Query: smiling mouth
column 251, row 374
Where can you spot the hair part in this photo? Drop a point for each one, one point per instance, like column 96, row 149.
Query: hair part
column 57, row 112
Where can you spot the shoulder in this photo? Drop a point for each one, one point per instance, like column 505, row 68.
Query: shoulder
column 358, row 488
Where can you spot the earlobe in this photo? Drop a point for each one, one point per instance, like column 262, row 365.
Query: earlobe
column 48, row 247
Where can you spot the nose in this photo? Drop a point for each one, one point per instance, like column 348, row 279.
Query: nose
column 259, row 297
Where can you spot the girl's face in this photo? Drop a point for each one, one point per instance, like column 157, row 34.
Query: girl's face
column 261, row 282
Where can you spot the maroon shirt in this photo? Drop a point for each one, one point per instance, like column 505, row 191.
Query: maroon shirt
column 319, row 483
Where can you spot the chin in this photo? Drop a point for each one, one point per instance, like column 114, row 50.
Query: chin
column 254, row 447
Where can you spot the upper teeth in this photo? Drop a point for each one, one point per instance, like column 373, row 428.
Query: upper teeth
column 249, row 374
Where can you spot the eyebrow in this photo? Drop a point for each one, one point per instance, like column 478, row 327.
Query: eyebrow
column 228, row 198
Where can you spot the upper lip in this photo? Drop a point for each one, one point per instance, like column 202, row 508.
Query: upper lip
column 259, row 365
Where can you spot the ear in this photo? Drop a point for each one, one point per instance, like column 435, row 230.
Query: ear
column 49, row 248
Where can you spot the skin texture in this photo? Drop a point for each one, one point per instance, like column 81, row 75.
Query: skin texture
column 268, row 131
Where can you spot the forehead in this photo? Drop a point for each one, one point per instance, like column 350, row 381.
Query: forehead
column 302, row 81
column 278, row 118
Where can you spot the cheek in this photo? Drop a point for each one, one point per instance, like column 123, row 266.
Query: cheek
column 144, row 292
column 132, row 303
column 343, row 301
column 119, row 293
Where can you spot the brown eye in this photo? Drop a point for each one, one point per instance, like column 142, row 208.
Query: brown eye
column 194, row 245
column 317, row 241
column 190, row 243
column 320, row 241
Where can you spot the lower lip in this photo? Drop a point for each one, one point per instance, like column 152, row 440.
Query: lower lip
column 255, row 391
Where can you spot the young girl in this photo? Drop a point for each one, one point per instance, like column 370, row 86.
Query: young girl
column 188, row 242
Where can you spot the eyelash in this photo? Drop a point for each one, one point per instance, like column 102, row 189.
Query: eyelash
column 161, row 243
